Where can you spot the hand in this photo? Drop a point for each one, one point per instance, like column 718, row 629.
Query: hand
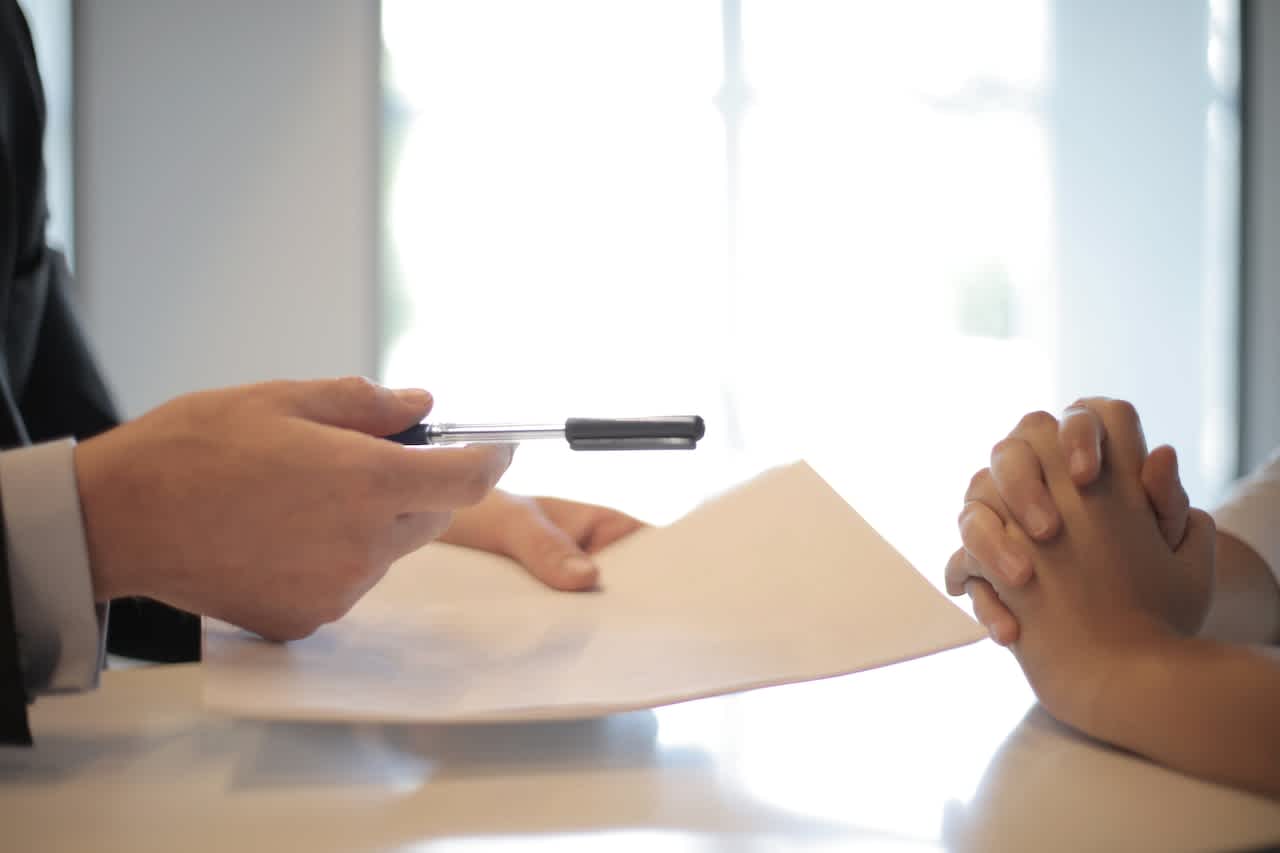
column 1108, row 589
column 1014, row 486
column 551, row 538
column 272, row 506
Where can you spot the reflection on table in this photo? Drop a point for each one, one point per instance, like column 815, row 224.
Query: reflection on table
column 940, row 753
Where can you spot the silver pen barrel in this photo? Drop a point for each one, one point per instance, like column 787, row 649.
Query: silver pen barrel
column 491, row 433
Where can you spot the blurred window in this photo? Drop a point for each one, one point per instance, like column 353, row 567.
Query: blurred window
column 868, row 234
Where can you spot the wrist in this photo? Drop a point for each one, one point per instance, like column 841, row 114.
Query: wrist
column 92, row 480
column 1139, row 685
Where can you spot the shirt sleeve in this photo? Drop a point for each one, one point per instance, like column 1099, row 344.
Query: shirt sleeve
column 61, row 632
column 1251, row 513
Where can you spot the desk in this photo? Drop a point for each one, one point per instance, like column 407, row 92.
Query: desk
column 901, row 759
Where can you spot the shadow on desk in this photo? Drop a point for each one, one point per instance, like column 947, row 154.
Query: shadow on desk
column 563, row 777
column 1119, row 801
column 320, row 754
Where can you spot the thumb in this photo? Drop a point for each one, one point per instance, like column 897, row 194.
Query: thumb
column 359, row 404
column 1194, row 589
column 551, row 555
column 1201, row 538
column 1165, row 492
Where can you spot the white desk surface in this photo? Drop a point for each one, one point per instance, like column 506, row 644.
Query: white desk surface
column 901, row 759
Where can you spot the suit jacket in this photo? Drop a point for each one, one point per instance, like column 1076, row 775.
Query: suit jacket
column 50, row 386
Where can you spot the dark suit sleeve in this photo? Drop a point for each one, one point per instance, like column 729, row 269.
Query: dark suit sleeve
column 50, row 385
column 13, row 696
column 66, row 395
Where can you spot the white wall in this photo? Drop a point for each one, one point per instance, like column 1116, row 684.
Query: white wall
column 226, row 190
column 1144, row 224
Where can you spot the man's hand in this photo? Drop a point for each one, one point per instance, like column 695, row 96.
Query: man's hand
column 551, row 538
column 1014, row 487
column 273, row 506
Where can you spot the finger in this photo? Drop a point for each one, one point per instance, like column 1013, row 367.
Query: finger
column 354, row 403
column 1081, row 433
column 982, row 488
column 610, row 529
column 434, row 479
column 1191, row 605
column 1200, row 540
column 1015, row 470
column 990, row 546
column 1125, row 446
column 593, row 527
column 992, row 613
column 960, row 568
column 1040, row 431
column 549, row 553
column 1165, row 492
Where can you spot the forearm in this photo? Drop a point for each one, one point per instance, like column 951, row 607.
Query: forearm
column 1206, row 708
column 1245, row 607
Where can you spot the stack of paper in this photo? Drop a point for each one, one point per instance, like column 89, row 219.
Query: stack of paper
column 777, row 581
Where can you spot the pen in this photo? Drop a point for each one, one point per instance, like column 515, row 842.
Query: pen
column 665, row 433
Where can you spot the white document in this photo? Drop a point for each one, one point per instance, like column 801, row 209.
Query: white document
column 775, row 582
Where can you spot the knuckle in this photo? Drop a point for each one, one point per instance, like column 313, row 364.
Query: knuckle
column 1077, row 423
column 970, row 526
column 1122, row 410
column 977, row 484
column 360, row 389
column 1037, row 421
column 1009, row 449
column 1003, row 445
column 272, row 394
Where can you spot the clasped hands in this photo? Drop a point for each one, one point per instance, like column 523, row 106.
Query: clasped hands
column 1081, row 553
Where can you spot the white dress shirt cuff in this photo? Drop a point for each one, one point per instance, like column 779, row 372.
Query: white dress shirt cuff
column 61, row 633
column 1251, row 513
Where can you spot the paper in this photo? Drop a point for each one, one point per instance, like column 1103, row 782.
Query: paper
column 775, row 582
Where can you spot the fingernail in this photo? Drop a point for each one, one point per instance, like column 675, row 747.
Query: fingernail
column 1037, row 521
column 1079, row 463
column 1012, row 567
column 415, row 397
column 578, row 567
